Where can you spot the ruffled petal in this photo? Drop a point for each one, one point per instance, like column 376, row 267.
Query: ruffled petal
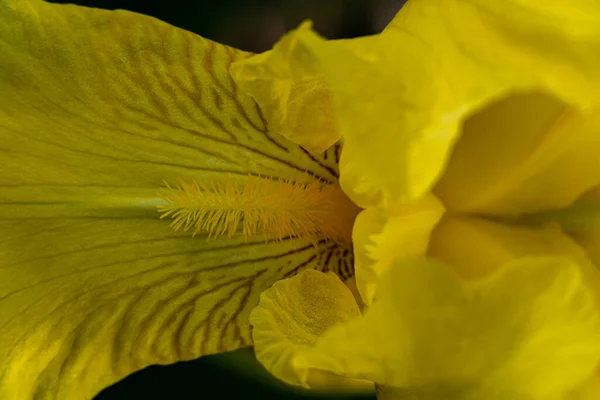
column 292, row 315
column 381, row 237
column 531, row 151
column 98, row 110
column 476, row 247
column 529, row 331
column 434, row 66
column 358, row 81
column 291, row 92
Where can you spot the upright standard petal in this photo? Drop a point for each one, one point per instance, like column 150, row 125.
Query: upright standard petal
column 350, row 83
column 526, row 153
column 98, row 110
column 433, row 66
column 529, row 71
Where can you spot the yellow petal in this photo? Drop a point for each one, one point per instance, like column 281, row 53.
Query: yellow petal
column 488, row 50
column 528, row 331
column 475, row 247
column 485, row 46
column 381, row 237
column 575, row 19
column 525, row 153
column 582, row 221
column 86, row 301
column 401, row 96
column 291, row 93
column 97, row 110
column 590, row 390
column 446, row 392
column 80, row 101
column 589, row 239
column 293, row 314
column 375, row 110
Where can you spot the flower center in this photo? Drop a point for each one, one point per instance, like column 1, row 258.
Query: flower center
column 273, row 208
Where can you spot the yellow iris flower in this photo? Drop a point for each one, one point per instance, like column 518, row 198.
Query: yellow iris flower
column 458, row 122
column 101, row 112
column 488, row 136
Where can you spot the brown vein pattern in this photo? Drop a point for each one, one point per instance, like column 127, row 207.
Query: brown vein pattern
column 102, row 108
column 184, row 299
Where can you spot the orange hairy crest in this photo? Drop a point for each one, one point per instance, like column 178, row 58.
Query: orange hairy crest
column 271, row 207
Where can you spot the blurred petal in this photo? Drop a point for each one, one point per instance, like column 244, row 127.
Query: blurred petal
column 430, row 69
column 475, row 247
column 485, row 47
column 445, row 392
column 351, row 284
column 590, row 390
column 589, row 239
column 582, row 221
column 293, row 314
column 383, row 159
column 436, row 64
column 525, row 153
column 350, row 84
column 381, row 237
column 529, row 331
column 577, row 20
column 490, row 50
column 98, row 109
column 291, row 92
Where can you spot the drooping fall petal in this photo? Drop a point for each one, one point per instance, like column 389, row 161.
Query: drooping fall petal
column 431, row 333
column 97, row 110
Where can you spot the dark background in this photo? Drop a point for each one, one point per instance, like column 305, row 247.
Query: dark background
column 252, row 25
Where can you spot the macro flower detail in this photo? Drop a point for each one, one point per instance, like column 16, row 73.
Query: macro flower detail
column 488, row 136
column 99, row 112
column 376, row 209
column 432, row 335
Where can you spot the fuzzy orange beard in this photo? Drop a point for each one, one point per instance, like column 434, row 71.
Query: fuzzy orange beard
column 274, row 208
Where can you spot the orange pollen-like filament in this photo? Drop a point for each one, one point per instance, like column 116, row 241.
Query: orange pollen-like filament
column 273, row 208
